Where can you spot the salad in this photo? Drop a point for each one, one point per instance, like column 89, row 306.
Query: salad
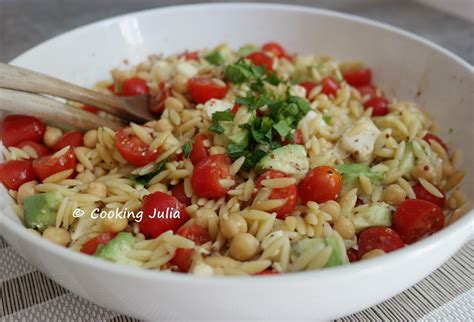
column 259, row 161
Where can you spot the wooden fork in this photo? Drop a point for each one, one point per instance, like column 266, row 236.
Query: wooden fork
column 20, row 89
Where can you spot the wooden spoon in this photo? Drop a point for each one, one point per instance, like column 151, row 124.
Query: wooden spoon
column 132, row 108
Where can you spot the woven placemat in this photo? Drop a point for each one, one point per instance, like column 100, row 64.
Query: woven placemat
column 28, row 295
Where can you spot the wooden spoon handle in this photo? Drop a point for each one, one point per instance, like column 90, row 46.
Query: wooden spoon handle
column 18, row 78
column 50, row 109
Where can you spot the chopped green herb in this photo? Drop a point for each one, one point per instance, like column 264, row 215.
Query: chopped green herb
column 326, row 118
column 282, row 128
column 273, row 79
column 187, row 148
column 216, row 128
column 218, row 117
column 144, row 179
column 117, row 87
column 215, row 58
column 242, row 71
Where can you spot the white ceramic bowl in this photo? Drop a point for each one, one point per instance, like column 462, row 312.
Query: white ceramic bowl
column 404, row 65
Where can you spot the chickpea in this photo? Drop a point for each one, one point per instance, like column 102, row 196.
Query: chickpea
column 345, row 228
column 232, row 226
column 203, row 216
column 394, row 194
column 27, row 189
column 51, row 136
column 86, row 176
column 423, row 170
column 243, row 246
column 373, row 253
column 90, row 139
column 114, row 225
column 58, row 236
column 180, row 83
column 97, row 189
column 332, row 208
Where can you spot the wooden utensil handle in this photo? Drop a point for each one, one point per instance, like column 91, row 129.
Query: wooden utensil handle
column 50, row 109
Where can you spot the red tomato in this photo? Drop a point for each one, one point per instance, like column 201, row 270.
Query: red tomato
column 290, row 193
column 308, row 86
column 206, row 176
column 274, row 48
column 14, row 173
column 260, row 58
column 268, row 271
column 40, row 149
column 90, row 246
column 428, row 137
column 90, row 108
column 369, row 90
column 297, row 138
column 415, row 219
column 48, row 165
column 358, row 77
column 157, row 101
column 359, row 202
column 18, row 128
column 320, row 184
column 71, row 138
column 203, row 89
column 133, row 149
column 330, row 86
column 178, row 192
column 353, row 255
column 423, row 194
column 235, row 108
column 159, row 210
column 183, row 258
column 383, row 238
column 191, row 55
column 134, row 86
column 379, row 106
column 199, row 151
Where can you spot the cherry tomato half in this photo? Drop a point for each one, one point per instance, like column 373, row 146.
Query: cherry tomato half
column 297, row 138
column 308, row 86
column 320, row 185
column 71, row 138
column 260, row 58
column 191, row 55
column 178, row 192
column 353, row 255
column 207, row 174
column 183, row 258
column 423, row 194
column 161, row 212
column 275, row 49
column 369, row 90
column 132, row 149
column 330, row 86
column 383, row 238
column 428, row 137
column 134, row 86
column 379, row 106
column 18, row 128
column 90, row 108
column 14, row 173
column 290, row 193
column 90, row 246
column 199, row 151
column 203, row 89
column 40, row 149
column 415, row 219
column 157, row 101
column 268, row 271
column 48, row 165
column 358, row 77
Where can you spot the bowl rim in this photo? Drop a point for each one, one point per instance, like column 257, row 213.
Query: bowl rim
column 355, row 268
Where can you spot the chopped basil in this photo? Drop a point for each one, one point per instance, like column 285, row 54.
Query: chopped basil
column 117, row 88
column 218, row 117
column 326, row 118
column 242, row 71
column 144, row 179
column 215, row 58
column 187, row 148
